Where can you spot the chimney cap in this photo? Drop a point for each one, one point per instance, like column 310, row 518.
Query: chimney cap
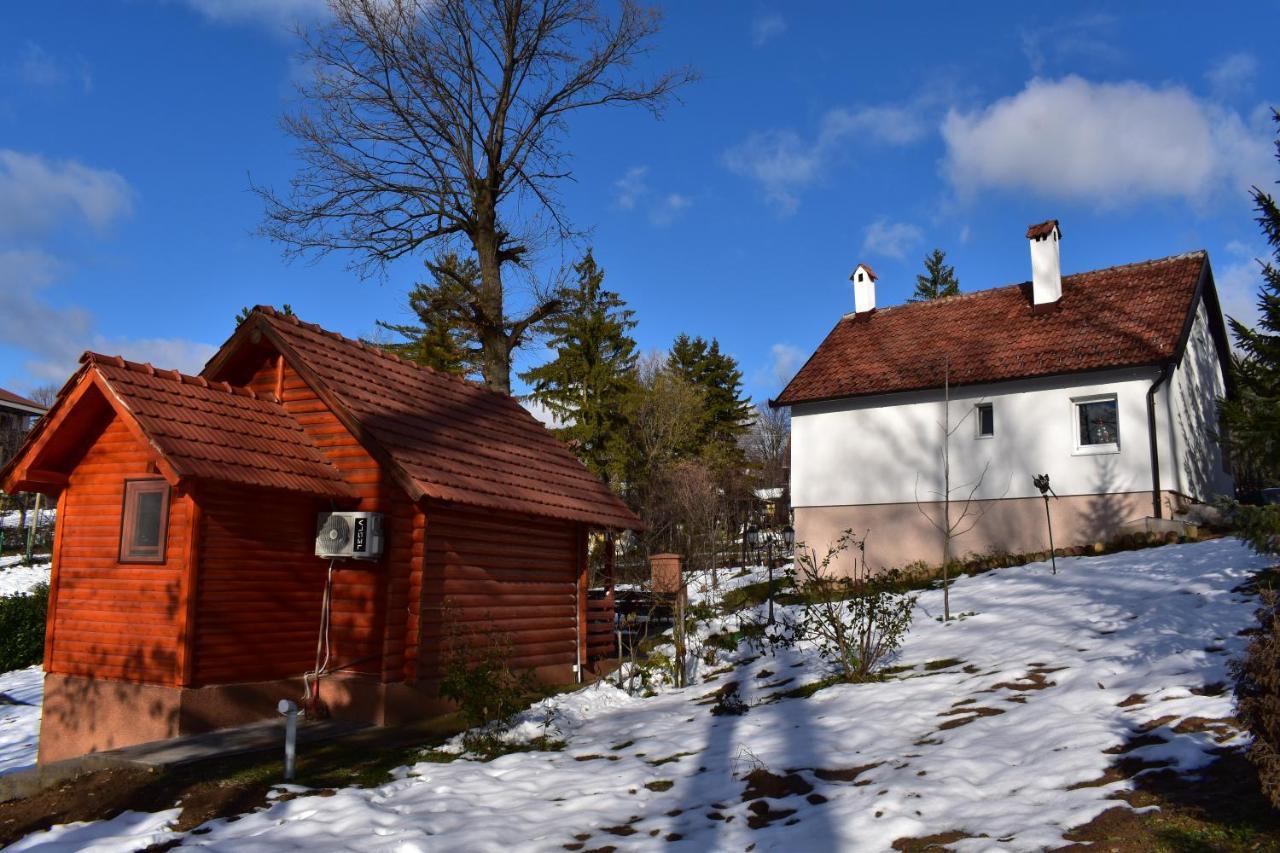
column 1043, row 229
column 871, row 274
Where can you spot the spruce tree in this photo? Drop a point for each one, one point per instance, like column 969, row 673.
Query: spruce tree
column 939, row 278
column 586, row 385
column 727, row 414
column 437, row 340
column 1252, row 416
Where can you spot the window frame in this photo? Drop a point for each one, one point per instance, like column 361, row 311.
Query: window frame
column 130, row 551
column 1080, row 449
column 977, row 417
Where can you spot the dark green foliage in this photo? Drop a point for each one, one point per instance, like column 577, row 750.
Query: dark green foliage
column 726, row 413
column 22, row 628
column 939, row 279
column 587, row 384
column 1251, row 419
column 1257, row 691
column 443, row 338
column 1259, row 526
column 285, row 310
column 478, row 676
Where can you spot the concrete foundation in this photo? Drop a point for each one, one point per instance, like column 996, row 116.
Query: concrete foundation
column 900, row 534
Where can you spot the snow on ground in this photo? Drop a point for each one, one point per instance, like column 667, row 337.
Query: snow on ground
column 21, row 693
column 17, row 579
column 998, row 739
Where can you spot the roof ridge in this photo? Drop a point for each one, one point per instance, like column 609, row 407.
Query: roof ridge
column 991, row 291
column 147, row 368
column 374, row 348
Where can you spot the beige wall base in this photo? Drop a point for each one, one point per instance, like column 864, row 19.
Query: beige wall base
column 898, row 534
column 83, row 715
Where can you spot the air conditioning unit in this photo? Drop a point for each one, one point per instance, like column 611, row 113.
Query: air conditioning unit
column 349, row 535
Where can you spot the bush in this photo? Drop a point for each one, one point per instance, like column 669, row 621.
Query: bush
column 1257, row 690
column 855, row 622
column 478, row 677
column 22, row 619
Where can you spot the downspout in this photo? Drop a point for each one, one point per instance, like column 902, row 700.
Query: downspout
column 1151, row 436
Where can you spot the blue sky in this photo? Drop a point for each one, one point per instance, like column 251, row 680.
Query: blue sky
column 820, row 135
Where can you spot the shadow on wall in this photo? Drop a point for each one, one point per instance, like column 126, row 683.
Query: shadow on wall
column 1104, row 514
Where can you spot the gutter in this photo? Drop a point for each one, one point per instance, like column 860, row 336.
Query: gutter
column 1151, row 437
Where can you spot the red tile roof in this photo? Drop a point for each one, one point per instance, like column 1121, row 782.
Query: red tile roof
column 449, row 439
column 10, row 397
column 215, row 431
column 1118, row 317
column 1043, row 229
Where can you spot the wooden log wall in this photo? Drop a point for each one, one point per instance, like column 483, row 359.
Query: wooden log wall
column 508, row 573
column 112, row 619
column 372, row 602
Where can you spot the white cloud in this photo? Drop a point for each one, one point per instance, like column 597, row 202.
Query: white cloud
column 542, row 413
column 767, row 26
column 40, row 69
column 54, row 337
column 1232, row 74
column 891, row 239
column 277, row 14
column 1072, row 41
column 669, row 209
column 783, row 163
column 1109, row 143
column 784, row 362
column 631, row 187
column 37, row 194
column 1237, row 283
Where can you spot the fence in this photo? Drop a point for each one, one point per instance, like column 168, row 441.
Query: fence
column 18, row 517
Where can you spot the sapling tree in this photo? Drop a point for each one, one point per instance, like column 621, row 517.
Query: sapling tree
column 855, row 621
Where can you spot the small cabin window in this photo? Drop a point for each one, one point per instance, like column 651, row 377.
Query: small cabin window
column 986, row 419
column 1097, row 425
column 145, row 518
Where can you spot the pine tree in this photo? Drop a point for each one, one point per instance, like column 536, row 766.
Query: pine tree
column 586, row 385
column 939, row 279
column 1252, row 416
column 727, row 415
column 437, row 340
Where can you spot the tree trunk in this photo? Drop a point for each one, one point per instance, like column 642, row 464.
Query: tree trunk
column 495, row 359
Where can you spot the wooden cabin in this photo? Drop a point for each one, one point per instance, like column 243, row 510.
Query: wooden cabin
column 186, row 593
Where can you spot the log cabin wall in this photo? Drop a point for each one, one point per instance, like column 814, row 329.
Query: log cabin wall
column 371, row 602
column 111, row 619
column 513, row 574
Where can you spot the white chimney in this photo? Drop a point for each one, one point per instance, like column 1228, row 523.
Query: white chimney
column 1046, row 264
column 864, row 289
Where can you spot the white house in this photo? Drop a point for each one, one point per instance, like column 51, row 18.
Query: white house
column 1104, row 380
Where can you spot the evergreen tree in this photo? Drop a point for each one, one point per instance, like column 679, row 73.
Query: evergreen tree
column 586, row 385
column 1252, row 417
column 727, row 415
column 939, row 278
column 436, row 340
column 285, row 310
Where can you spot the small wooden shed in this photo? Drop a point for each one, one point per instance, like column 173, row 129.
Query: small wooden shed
column 186, row 594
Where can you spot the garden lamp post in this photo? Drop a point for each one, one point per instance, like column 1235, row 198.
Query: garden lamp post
column 1041, row 482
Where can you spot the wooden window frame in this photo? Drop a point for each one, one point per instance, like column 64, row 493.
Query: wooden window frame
column 129, row 550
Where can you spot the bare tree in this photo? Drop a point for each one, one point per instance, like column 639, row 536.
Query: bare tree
column 767, row 443
column 950, row 524
column 444, row 121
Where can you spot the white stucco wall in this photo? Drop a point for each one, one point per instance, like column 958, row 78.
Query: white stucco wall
column 1191, row 462
column 872, row 450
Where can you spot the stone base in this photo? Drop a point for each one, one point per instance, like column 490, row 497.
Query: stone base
column 83, row 715
column 898, row 534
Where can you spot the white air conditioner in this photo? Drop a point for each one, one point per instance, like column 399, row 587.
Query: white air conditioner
column 349, row 535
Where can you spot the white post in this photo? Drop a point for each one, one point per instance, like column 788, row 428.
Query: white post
column 290, row 711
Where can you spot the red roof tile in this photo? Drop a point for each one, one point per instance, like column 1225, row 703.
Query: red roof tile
column 452, row 440
column 1118, row 317
column 211, row 430
column 10, row 397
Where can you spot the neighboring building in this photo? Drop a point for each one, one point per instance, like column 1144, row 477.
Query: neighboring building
column 186, row 594
column 16, row 414
column 1105, row 380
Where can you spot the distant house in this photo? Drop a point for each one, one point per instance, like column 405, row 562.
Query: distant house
column 16, row 415
column 1105, row 380
column 186, row 592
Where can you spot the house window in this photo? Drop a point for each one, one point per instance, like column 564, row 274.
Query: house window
column 986, row 420
column 1097, row 424
column 146, row 515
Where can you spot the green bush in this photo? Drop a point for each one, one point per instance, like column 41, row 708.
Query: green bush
column 22, row 628
column 479, row 678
